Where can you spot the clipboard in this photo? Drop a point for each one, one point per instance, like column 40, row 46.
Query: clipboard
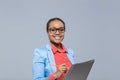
column 79, row 71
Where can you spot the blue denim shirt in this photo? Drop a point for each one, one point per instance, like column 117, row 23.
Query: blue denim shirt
column 42, row 60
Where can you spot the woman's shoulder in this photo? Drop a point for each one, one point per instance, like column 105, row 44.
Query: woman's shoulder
column 42, row 50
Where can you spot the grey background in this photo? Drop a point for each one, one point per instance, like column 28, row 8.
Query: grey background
column 93, row 31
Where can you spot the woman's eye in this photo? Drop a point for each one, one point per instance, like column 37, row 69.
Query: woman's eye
column 53, row 29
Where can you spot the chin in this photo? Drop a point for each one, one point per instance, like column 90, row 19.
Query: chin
column 56, row 42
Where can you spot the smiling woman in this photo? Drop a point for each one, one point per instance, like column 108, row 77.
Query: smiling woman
column 53, row 53
column 56, row 32
column 92, row 30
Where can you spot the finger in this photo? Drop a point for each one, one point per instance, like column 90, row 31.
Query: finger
column 64, row 70
column 63, row 64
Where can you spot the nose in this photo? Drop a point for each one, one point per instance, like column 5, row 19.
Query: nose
column 57, row 32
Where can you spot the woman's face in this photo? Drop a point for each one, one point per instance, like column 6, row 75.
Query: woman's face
column 56, row 31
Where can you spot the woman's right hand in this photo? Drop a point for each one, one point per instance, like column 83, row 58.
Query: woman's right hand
column 61, row 69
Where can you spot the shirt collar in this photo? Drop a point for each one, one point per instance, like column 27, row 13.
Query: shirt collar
column 54, row 49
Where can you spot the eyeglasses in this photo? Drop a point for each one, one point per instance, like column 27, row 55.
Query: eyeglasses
column 54, row 30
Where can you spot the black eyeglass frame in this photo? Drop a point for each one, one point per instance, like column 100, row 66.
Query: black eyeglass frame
column 54, row 30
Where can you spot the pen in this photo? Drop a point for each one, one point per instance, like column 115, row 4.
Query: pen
column 53, row 65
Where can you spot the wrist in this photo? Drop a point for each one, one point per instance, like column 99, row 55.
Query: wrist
column 55, row 76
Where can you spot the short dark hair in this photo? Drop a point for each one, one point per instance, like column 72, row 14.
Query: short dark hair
column 52, row 19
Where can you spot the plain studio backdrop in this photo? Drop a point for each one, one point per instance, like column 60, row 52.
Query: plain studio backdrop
column 92, row 30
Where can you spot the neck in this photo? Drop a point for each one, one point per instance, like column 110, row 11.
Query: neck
column 59, row 46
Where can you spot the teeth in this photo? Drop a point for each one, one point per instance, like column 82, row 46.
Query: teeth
column 57, row 37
